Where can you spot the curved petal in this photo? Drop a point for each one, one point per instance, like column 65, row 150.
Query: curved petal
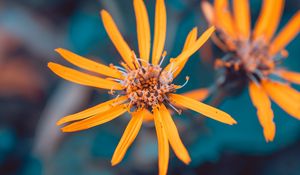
column 265, row 113
column 286, row 35
column 83, row 78
column 285, row 96
column 143, row 29
column 190, row 39
column 117, row 39
column 163, row 144
column 173, row 136
column 93, row 110
column 242, row 18
column 224, row 19
column 181, row 59
column 160, row 30
column 189, row 42
column 96, row 120
column 202, row 108
column 128, row 137
column 88, row 64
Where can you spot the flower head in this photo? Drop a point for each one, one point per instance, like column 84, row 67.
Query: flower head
column 140, row 87
column 253, row 57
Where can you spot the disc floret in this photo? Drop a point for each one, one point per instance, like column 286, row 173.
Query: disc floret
column 147, row 86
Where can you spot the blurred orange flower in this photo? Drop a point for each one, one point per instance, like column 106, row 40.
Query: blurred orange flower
column 143, row 88
column 257, row 54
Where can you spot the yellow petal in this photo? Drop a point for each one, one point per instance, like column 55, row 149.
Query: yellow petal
column 160, row 30
column 117, row 39
column 87, row 64
column 290, row 76
column 173, row 136
column 189, row 42
column 181, row 59
column 148, row 116
column 242, row 18
column 285, row 96
column 190, row 39
column 224, row 19
column 93, row 110
column 163, row 144
column 268, row 20
column 83, row 78
column 96, row 120
column 198, row 94
column 287, row 34
column 128, row 137
column 143, row 29
column 208, row 11
column 202, row 108
column 275, row 19
column 264, row 110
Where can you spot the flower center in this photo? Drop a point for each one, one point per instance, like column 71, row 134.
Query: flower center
column 252, row 58
column 148, row 86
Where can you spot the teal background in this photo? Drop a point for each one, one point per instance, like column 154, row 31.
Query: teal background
column 31, row 144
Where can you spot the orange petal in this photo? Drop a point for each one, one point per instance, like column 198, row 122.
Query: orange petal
column 117, row 39
column 148, row 116
column 83, row 78
column 87, row 64
column 143, row 29
column 159, row 31
column 268, row 20
column 189, row 42
column 285, row 96
column 242, row 18
column 202, row 108
column 128, row 137
column 96, row 120
column 190, row 39
column 224, row 19
column 173, row 136
column 208, row 12
column 286, row 35
column 264, row 110
column 275, row 19
column 198, row 94
column 163, row 144
column 290, row 76
column 93, row 110
column 181, row 59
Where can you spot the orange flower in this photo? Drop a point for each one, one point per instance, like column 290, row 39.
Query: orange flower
column 143, row 88
column 255, row 54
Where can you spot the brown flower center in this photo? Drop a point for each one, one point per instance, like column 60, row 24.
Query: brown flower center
column 148, row 86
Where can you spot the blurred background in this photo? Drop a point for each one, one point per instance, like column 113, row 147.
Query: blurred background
column 32, row 98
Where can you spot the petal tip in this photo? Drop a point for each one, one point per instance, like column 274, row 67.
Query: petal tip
column 114, row 163
column 103, row 12
column 59, row 122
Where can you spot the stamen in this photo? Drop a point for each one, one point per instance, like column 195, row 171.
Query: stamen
column 114, row 79
column 125, row 66
column 187, row 78
column 112, row 92
column 164, row 54
column 179, row 111
column 121, row 69
column 136, row 62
